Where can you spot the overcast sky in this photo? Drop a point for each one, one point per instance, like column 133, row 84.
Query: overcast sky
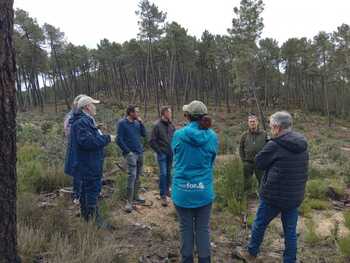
column 89, row 21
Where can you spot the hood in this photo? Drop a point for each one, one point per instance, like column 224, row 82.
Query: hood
column 292, row 141
column 195, row 136
column 76, row 116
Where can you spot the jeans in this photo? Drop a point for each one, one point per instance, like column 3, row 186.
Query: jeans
column 90, row 191
column 264, row 216
column 194, row 226
column 135, row 170
column 164, row 162
column 249, row 168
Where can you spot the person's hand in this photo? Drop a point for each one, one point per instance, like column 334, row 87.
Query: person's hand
column 113, row 138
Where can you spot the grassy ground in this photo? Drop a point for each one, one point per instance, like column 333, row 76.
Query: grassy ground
column 49, row 229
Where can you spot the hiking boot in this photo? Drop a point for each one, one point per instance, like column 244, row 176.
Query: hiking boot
column 164, row 201
column 244, row 254
column 128, row 207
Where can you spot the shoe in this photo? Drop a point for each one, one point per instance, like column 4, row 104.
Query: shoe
column 244, row 254
column 76, row 201
column 164, row 201
column 128, row 207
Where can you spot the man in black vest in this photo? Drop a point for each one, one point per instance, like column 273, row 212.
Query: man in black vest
column 285, row 161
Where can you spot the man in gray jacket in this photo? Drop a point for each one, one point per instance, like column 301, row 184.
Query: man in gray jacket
column 160, row 142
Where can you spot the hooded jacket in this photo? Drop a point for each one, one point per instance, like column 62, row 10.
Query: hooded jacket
column 85, row 148
column 285, row 162
column 194, row 151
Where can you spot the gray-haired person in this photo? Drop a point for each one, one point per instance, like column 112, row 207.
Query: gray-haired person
column 67, row 163
column 285, row 161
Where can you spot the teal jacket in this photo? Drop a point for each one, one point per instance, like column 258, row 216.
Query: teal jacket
column 194, row 152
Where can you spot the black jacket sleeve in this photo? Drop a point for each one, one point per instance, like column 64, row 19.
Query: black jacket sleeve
column 154, row 139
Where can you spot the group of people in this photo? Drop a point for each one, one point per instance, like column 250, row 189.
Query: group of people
column 186, row 159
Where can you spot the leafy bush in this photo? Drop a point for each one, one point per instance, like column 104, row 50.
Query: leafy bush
column 314, row 173
column 34, row 174
column 230, row 186
column 316, row 188
column 344, row 247
column 28, row 174
column 51, row 180
column 29, row 133
column 345, row 173
column 150, row 159
column 121, row 182
column 305, row 209
column 347, row 219
column 319, row 204
column 311, row 237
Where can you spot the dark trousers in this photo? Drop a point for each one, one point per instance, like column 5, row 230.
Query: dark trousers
column 249, row 169
column 264, row 216
column 90, row 191
column 194, row 228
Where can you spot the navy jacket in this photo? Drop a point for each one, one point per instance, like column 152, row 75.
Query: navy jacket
column 129, row 136
column 85, row 149
column 285, row 162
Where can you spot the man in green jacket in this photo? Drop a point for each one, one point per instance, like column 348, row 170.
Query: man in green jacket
column 252, row 141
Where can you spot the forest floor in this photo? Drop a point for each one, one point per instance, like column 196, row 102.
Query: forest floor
column 50, row 230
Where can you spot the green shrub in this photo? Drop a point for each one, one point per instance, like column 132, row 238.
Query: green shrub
column 51, row 180
column 344, row 247
column 311, row 237
column 319, row 204
column 316, row 188
column 314, row 173
column 305, row 208
column 337, row 186
column 29, row 133
column 345, row 173
column 335, row 154
column 250, row 220
column 111, row 151
column 28, row 174
column 121, row 182
column 150, row 159
column 347, row 219
column 229, row 186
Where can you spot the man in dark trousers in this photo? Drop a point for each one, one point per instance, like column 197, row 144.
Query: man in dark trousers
column 252, row 141
column 285, row 161
column 129, row 132
column 160, row 142
column 86, row 155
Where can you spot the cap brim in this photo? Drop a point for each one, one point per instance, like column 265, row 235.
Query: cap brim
column 185, row 108
column 95, row 101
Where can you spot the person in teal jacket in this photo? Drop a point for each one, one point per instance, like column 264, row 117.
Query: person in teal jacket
column 194, row 147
